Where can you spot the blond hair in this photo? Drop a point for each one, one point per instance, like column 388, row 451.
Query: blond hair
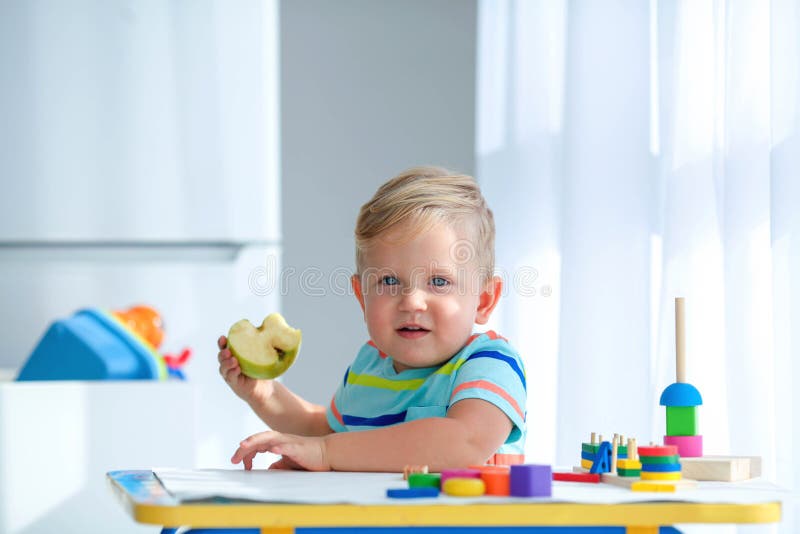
column 423, row 197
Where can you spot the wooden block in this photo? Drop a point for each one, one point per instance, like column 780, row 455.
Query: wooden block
column 629, row 472
column 576, row 477
column 602, row 462
column 586, row 464
column 688, row 446
column 590, row 447
column 629, row 464
column 408, row 469
column 755, row 466
column 681, row 420
column 660, row 459
column 646, row 475
column 675, row 485
column 616, row 480
column 649, row 486
column 719, row 468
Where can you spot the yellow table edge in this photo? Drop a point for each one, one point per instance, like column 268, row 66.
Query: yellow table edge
column 158, row 508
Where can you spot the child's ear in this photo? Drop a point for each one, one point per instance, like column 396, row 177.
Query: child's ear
column 355, row 282
column 490, row 296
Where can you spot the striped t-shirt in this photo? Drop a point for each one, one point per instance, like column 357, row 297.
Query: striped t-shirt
column 374, row 395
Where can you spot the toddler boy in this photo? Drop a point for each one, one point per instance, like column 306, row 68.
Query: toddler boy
column 424, row 390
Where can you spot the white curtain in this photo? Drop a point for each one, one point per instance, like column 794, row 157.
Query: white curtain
column 634, row 152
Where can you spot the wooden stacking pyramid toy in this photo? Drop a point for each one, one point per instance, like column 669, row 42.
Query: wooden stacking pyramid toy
column 681, row 398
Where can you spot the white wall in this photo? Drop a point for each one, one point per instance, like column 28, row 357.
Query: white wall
column 368, row 88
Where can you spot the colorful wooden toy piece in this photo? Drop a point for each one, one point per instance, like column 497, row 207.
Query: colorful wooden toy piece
column 497, row 482
column 408, row 469
column 531, row 480
column 629, row 464
column 628, row 472
column 424, row 480
column 661, row 468
column 412, row 493
column 648, row 475
column 602, row 461
column 657, row 450
column 459, row 473
column 681, row 420
column 660, row 459
column 688, row 446
column 464, row 487
column 586, row 464
column 649, row 486
column 576, row 477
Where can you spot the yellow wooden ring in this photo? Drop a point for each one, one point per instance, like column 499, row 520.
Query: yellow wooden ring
column 464, row 487
column 586, row 464
column 648, row 475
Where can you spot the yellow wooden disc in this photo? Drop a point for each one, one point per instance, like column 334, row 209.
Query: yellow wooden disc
column 648, row 475
column 586, row 464
column 464, row 487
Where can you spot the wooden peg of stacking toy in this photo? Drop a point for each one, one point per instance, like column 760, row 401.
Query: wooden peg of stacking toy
column 682, row 398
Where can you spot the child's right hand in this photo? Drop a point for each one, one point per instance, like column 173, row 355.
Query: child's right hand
column 248, row 389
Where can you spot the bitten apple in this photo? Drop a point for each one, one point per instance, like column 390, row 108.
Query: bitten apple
column 266, row 351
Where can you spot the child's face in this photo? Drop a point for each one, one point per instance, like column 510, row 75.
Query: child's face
column 419, row 301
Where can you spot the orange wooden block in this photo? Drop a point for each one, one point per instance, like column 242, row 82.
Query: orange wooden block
column 497, row 482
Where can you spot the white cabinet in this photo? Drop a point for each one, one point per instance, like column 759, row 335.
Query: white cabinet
column 57, row 441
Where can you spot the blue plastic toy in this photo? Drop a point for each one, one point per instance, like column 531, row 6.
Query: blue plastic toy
column 92, row 345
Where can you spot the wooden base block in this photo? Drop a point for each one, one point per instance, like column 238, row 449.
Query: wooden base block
column 616, row 480
column 721, row 468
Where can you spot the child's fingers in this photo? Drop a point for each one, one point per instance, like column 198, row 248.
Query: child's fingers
column 261, row 442
column 224, row 354
column 248, row 461
column 222, row 342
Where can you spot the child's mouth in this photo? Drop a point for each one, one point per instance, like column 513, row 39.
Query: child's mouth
column 412, row 332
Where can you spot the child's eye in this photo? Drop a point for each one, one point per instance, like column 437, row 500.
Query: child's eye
column 438, row 281
column 389, row 281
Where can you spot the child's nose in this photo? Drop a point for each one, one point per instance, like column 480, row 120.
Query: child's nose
column 413, row 300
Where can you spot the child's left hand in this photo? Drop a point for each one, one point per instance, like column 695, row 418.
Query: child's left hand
column 298, row 452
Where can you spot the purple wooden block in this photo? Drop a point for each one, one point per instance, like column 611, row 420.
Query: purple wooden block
column 459, row 473
column 530, row 480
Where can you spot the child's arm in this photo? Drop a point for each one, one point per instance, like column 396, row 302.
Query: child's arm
column 273, row 402
column 470, row 433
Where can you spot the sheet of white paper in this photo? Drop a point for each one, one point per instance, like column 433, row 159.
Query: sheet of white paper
column 370, row 488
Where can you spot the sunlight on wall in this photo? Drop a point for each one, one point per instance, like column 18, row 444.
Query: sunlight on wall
column 655, row 125
column 537, row 330
column 760, row 348
column 538, row 64
column 492, row 66
column 698, row 78
column 785, row 80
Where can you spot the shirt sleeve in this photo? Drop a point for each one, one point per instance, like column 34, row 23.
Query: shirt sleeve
column 496, row 374
column 332, row 412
